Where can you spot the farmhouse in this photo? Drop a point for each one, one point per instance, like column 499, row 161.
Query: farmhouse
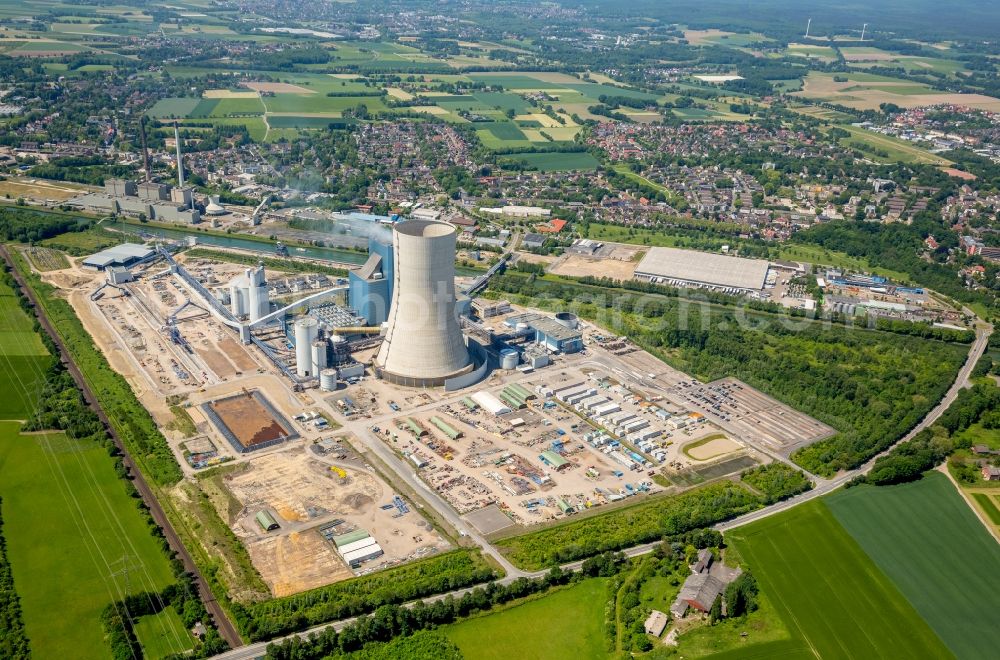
column 991, row 473
column 688, row 268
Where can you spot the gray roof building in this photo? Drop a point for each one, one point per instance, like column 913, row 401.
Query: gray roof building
column 701, row 269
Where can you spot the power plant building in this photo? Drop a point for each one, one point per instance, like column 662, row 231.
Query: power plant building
column 248, row 295
column 423, row 345
column 371, row 286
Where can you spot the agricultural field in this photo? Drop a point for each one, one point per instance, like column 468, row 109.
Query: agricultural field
column 556, row 161
column 563, row 625
column 889, row 149
column 828, row 591
column 23, row 356
column 68, row 494
column 913, row 533
column 865, row 91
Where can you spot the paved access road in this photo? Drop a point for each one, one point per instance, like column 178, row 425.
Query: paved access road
column 822, row 487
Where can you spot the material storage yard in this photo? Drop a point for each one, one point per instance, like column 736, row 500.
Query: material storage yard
column 313, row 496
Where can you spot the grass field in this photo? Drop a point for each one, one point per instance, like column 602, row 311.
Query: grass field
column 162, row 634
column 898, row 150
column 556, row 161
column 169, row 108
column 988, row 505
column 827, row 590
column 22, row 356
column 68, row 524
column 925, row 537
column 565, row 625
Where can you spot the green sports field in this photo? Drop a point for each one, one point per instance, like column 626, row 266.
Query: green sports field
column 565, row 625
column 828, row 591
column 929, row 542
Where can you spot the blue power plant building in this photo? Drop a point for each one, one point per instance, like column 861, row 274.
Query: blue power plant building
column 370, row 292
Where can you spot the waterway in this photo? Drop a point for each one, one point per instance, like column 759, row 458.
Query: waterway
column 235, row 242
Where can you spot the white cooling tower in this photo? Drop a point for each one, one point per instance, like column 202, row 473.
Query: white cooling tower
column 306, row 331
column 423, row 343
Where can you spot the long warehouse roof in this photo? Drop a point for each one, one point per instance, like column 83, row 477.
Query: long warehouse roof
column 703, row 267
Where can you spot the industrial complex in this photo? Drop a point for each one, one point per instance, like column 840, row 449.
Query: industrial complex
column 334, row 401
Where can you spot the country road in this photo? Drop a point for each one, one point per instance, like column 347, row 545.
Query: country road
column 825, row 486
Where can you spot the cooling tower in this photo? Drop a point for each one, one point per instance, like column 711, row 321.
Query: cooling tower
column 423, row 344
column 306, row 331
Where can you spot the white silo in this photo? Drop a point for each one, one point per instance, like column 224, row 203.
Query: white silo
column 306, row 331
column 328, row 380
column 509, row 359
column 319, row 356
column 423, row 344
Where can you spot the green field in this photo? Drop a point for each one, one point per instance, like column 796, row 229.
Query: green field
column 68, row 524
column 162, row 634
column 565, row 625
column 170, row 108
column 897, row 150
column 988, row 505
column 827, row 590
column 929, row 542
column 556, row 161
column 23, row 357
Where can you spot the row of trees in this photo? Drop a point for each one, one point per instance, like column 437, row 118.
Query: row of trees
column 26, row 225
column 13, row 638
column 279, row 616
column 393, row 620
column 654, row 519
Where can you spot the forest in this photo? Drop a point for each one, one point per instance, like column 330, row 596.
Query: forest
column 909, row 460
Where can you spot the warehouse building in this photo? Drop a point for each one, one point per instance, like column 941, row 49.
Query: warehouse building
column 687, row 268
column 357, row 547
column 124, row 255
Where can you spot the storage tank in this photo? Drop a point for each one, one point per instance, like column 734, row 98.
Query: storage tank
column 306, row 331
column 423, row 344
column 236, row 304
column 509, row 359
column 328, row 380
column 319, row 356
column 567, row 319
column 258, row 304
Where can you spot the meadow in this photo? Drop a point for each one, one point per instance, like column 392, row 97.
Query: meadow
column 924, row 536
column 74, row 537
column 828, row 591
column 556, row 161
column 23, row 356
column 564, row 625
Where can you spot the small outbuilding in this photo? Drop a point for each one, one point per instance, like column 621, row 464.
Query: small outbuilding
column 656, row 623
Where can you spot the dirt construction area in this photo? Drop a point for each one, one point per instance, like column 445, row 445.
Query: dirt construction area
column 304, row 492
column 574, row 265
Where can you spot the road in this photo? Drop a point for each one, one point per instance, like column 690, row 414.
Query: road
column 823, row 487
column 222, row 622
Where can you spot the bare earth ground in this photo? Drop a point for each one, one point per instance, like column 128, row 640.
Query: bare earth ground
column 574, row 265
column 278, row 88
column 712, row 449
column 305, row 493
column 227, row 94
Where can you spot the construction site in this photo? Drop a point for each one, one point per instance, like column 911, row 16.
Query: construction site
column 309, row 498
column 298, row 384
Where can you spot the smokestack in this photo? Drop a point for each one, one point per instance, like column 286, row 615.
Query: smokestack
column 145, row 149
column 180, row 161
column 423, row 344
